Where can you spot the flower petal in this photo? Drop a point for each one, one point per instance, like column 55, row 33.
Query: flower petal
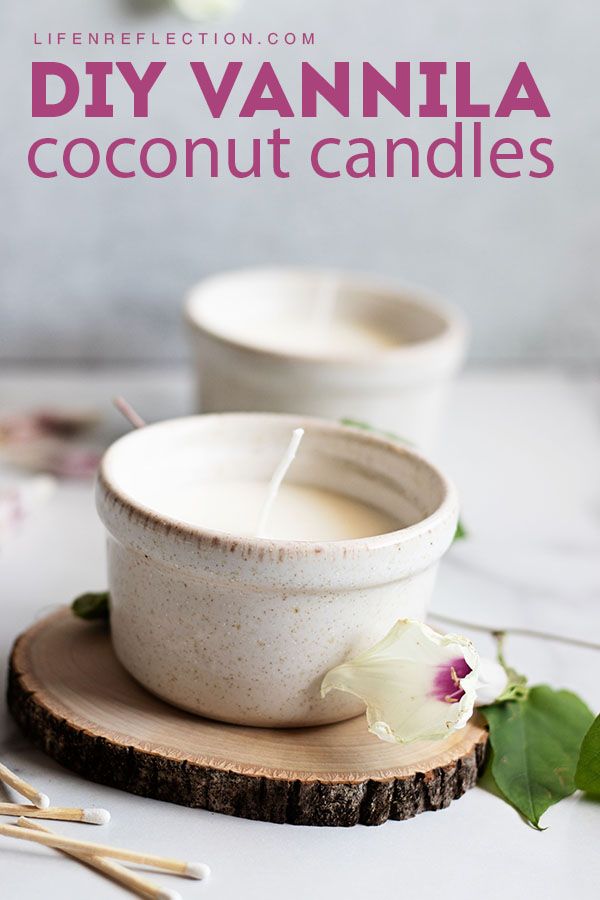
column 492, row 681
column 397, row 680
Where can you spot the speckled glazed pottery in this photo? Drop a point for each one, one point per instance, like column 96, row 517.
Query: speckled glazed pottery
column 244, row 629
column 400, row 389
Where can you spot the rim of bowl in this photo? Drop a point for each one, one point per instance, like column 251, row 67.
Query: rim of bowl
column 453, row 335
column 224, row 539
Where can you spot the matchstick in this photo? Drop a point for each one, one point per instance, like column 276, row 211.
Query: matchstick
column 60, row 813
column 136, row 883
column 22, row 787
column 127, row 410
column 191, row 870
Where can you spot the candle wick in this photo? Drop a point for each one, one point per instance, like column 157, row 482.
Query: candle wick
column 127, row 410
column 277, row 477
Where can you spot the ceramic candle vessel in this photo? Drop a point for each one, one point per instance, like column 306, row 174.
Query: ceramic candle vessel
column 243, row 629
column 322, row 344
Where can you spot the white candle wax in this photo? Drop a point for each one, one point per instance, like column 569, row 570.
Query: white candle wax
column 300, row 512
column 310, row 324
column 289, row 333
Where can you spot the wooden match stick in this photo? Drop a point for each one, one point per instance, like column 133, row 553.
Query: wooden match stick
column 22, row 787
column 60, row 813
column 136, row 883
column 191, row 870
column 127, row 410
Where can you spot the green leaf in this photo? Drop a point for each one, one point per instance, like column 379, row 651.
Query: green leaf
column 535, row 744
column 461, row 532
column 355, row 423
column 587, row 776
column 91, row 606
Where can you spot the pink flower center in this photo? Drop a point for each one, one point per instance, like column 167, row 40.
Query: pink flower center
column 446, row 684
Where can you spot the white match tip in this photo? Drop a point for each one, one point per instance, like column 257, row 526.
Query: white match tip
column 167, row 894
column 197, row 870
column 96, row 816
column 42, row 801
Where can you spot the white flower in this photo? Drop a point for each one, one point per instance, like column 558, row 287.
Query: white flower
column 197, row 10
column 492, row 681
column 417, row 684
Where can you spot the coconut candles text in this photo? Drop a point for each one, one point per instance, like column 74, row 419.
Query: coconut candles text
column 401, row 91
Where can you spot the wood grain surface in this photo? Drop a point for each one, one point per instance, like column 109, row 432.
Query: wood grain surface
column 74, row 699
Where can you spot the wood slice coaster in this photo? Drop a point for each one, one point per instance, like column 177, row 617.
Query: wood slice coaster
column 74, row 699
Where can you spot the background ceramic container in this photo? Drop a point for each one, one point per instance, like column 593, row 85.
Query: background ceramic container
column 242, row 629
column 400, row 389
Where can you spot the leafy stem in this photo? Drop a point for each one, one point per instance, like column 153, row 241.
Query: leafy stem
column 516, row 688
column 520, row 632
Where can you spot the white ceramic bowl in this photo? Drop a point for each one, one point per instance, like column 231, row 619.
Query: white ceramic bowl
column 399, row 388
column 244, row 629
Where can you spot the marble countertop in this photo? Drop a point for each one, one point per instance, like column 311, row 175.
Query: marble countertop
column 523, row 446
